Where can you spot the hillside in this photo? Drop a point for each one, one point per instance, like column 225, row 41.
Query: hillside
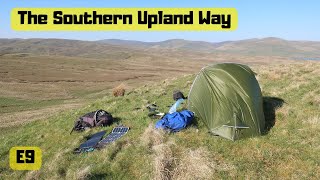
column 263, row 47
column 290, row 150
column 37, row 76
column 123, row 49
column 62, row 47
column 272, row 46
column 172, row 44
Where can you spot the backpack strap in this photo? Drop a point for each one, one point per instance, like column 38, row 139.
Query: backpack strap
column 72, row 130
column 80, row 124
column 96, row 114
column 95, row 117
column 77, row 124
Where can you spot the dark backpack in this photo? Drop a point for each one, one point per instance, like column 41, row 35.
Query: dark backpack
column 93, row 119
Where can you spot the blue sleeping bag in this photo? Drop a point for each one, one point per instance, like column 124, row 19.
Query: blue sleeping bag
column 175, row 121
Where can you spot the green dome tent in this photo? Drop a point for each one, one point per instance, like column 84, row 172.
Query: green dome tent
column 227, row 98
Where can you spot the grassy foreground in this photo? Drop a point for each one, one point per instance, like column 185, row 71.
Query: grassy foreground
column 290, row 150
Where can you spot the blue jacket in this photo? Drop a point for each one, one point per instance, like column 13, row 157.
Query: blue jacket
column 176, row 121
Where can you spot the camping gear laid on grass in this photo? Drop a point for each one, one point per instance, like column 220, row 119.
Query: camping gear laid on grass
column 96, row 141
column 93, row 119
column 228, row 99
column 176, row 121
column 154, row 112
column 90, row 144
column 116, row 133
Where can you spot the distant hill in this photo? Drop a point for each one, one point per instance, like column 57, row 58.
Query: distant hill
column 272, row 46
column 174, row 44
column 62, row 47
column 120, row 49
column 265, row 46
column 130, row 43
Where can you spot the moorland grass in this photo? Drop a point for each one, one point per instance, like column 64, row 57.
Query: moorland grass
column 289, row 150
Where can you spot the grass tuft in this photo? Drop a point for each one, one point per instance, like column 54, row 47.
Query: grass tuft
column 119, row 90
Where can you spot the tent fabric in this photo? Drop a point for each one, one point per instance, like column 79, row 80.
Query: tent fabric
column 227, row 98
column 175, row 121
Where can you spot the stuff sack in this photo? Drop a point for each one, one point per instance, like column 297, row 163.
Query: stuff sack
column 93, row 119
column 176, row 121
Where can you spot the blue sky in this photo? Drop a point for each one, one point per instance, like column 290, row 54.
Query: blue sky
column 288, row 19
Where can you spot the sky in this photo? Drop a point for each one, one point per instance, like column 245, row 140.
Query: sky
column 287, row 19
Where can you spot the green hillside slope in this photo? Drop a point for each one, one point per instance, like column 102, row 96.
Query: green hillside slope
column 290, row 150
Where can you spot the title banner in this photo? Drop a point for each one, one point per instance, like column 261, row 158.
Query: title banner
column 124, row 19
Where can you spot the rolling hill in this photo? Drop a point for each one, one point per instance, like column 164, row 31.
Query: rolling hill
column 119, row 49
column 62, row 47
column 263, row 47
